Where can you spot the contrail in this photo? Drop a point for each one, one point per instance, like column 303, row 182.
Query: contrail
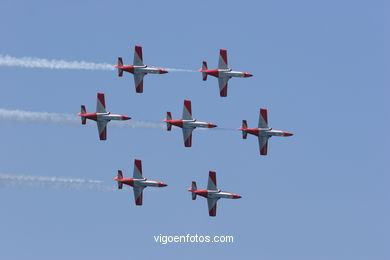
column 11, row 180
column 56, row 118
column 179, row 70
column 32, row 62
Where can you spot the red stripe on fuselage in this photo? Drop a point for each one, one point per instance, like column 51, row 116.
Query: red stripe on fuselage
column 252, row 131
column 178, row 123
column 214, row 73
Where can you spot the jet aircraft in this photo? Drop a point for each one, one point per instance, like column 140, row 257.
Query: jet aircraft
column 138, row 69
column 102, row 117
column 212, row 193
column 223, row 73
column 187, row 123
column 138, row 182
column 263, row 132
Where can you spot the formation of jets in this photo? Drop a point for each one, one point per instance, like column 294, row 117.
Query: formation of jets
column 187, row 123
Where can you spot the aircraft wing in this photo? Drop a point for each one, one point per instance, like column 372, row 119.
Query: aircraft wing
column 139, row 82
column 102, row 129
column 223, row 85
column 187, row 136
column 263, row 144
column 137, row 173
column 222, row 62
column 263, row 118
column 101, row 103
column 187, row 111
column 138, row 61
column 138, row 193
column 212, row 203
column 212, row 182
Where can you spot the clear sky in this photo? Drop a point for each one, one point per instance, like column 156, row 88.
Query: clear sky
column 318, row 67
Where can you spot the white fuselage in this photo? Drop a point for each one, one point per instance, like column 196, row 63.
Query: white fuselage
column 194, row 124
column 146, row 70
column 229, row 73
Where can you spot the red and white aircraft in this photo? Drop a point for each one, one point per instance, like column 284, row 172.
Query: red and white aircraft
column 137, row 182
column 187, row 123
column 263, row 132
column 223, row 73
column 138, row 69
column 102, row 117
column 213, row 194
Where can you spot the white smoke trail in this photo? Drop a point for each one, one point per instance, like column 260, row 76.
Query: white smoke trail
column 11, row 180
column 56, row 118
column 32, row 62
column 179, row 70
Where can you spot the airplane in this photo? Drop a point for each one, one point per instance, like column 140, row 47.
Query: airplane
column 102, row 117
column 223, row 73
column 187, row 123
column 137, row 182
column 212, row 194
column 263, row 132
column 138, row 69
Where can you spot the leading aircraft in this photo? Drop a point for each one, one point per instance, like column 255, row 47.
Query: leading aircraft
column 223, row 73
column 187, row 123
column 102, row 117
column 138, row 69
column 263, row 132
column 138, row 182
column 212, row 193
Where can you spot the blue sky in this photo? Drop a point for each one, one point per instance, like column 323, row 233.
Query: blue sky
column 318, row 67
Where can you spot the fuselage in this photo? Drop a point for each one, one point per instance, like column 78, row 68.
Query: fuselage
column 215, row 194
column 104, row 116
column 141, row 69
column 226, row 73
column 265, row 132
column 190, row 123
column 141, row 182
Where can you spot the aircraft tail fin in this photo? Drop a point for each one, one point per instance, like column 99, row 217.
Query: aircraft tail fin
column 120, row 63
column 193, row 188
column 83, row 111
column 169, row 125
column 120, row 177
column 204, row 67
column 243, row 127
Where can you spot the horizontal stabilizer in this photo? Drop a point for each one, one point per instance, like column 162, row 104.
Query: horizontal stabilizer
column 193, row 187
column 120, row 177
column 204, row 67
column 244, row 126
column 83, row 111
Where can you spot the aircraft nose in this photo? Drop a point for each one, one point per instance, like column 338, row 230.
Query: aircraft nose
column 288, row 134
column 126, row 118
column 212, row 125
column 247, row 75
column 161, row 184
column 235, row 196
column 162, row 71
